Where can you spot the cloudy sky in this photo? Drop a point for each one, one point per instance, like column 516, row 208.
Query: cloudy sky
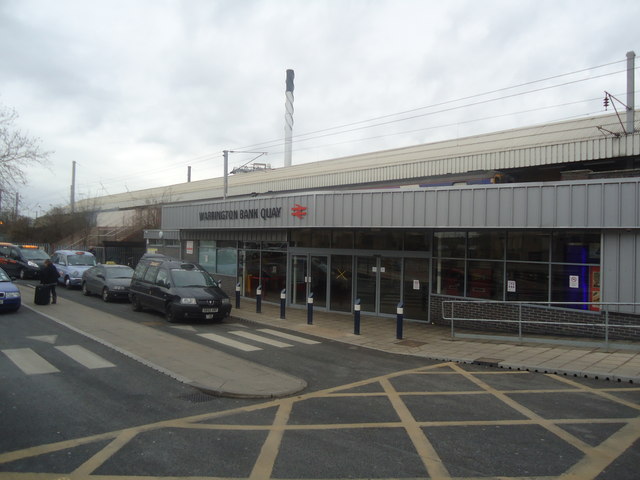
column 135, row 91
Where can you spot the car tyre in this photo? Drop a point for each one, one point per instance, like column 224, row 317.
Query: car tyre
column 105, row 294
column 135, row 304
column 67, row 283
column 85, row 290
column 169, row 314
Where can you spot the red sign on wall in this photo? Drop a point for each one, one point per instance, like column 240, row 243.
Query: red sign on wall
column 298, row 211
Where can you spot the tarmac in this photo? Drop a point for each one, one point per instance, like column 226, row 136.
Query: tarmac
column 218, row 373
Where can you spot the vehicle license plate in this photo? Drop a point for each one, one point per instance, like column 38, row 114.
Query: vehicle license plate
column 209, row 310
column 209, row 316
column 1, row 302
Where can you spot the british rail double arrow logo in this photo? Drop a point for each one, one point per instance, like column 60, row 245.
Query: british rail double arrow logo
column 298, row 211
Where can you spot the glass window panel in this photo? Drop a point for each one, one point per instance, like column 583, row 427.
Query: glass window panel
column 450, row 244
column 274, row 245
column 529, row 282
column 252, row 245
column 417, row 241
column 251, row 272
column 301, row 238
column 321, row 239
column 448, row 277
column 486, row 245
column 416, row 288
column 576, row 247
column 378, row 239
column 342, row 239
column 366, row 283
column 207, row 255
column 318, row 272
column 570, row 283
column 273, row 275
column 390, row 284
column 485, row 280
column 226, row 261
column 528, row 246
column 341, row 282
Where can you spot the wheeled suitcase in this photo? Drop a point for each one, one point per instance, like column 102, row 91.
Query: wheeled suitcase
column 43, row 295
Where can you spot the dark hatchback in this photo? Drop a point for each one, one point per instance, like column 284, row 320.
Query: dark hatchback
column 180, row 290
column 111, row 282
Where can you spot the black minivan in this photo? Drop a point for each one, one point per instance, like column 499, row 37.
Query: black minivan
column 180, row 290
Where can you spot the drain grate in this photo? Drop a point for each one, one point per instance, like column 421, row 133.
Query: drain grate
column 197, row 397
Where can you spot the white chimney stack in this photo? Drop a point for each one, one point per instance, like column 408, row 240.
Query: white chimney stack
column 288, row 119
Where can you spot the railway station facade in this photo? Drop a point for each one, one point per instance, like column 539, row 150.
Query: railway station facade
column 570, row 244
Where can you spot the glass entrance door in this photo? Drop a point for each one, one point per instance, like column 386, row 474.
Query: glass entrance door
column 309, row 275
column 379, row 283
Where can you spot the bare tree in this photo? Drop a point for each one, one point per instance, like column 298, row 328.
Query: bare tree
column 17, row 151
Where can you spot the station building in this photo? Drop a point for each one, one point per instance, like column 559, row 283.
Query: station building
column 548, row 214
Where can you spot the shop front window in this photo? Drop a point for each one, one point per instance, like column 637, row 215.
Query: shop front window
column 486, row 245
column 484, row 280
column 417, row 241
column 448, row 277
column 576, row 247
column 528, row 246
column 226, row 261
column 207, row 255
column 273, row 275
column 570, row 283
column 450, row 244
column 528, row 282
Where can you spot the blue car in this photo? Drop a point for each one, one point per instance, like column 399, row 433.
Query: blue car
column 71, row 264
column 10, row 300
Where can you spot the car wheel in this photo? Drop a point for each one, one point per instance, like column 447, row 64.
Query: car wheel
column 170, row 314
column 67, row 282
column 105, row 294
column 85, row 290
column 135, row 304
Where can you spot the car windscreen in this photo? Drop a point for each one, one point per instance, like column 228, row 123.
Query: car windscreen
column 3, row 276
column 191, row 278
column 34, row 254
column 119, row 272
column 80, row 260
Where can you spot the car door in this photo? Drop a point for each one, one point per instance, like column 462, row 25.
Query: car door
column 160, row 290
column 93, row 279
column 145, row 290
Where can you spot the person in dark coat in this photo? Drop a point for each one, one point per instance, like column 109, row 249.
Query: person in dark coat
column 49, row 276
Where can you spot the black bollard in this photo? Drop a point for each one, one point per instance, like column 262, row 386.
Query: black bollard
column 283, row 300
column 399, row 317
column 356, row 317
column 259, row 299
column 310, row 309
column 238, row 295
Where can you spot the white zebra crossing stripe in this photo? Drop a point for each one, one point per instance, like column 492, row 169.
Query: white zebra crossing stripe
column 85, row 357
column 288, row 336
column 229, row 342
column 29, row 361
column 258, row 338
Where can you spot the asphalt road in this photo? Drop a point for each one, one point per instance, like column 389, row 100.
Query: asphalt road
column 366, row 414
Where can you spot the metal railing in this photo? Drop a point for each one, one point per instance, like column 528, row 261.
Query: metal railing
column 603, row 307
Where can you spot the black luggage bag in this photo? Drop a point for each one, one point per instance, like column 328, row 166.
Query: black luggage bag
column 43, row 295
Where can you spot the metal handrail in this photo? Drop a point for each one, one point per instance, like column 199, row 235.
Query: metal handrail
column 519, row 304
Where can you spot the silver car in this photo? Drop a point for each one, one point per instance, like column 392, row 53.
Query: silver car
column 109, row 281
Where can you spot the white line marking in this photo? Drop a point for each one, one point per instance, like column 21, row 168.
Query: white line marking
column 288, row 336
column 258, row 338
column 228, row 342
column 29, row 361
column 85, row 357
column 46, row 338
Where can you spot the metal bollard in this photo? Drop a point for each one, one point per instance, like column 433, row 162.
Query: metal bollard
column 310, row 309
column 283, row 300
column 399, row 320
column 356, row 317
column 238, row 295
column 259, row 299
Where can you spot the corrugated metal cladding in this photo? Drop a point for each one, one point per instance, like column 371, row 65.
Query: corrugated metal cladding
column 243, row 236
column 621, row 275
column 603, row 204
column 563, row 142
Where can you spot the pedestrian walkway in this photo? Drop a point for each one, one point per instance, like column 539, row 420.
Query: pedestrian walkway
column 435, row 342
